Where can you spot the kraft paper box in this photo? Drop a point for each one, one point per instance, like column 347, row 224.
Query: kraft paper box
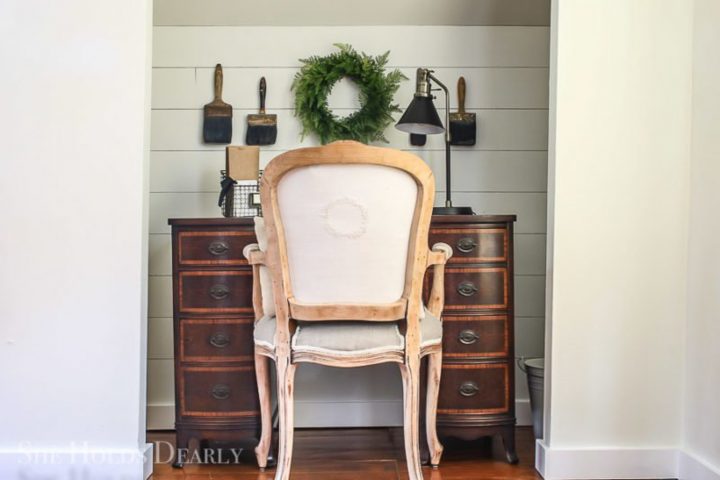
column 242, row 163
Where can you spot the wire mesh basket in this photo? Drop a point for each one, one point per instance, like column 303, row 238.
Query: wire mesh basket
column 241, row 200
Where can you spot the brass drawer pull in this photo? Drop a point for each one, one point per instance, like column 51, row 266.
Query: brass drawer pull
column 218, row 248
column 469, row 389
column 219, row 291
column 468, row 337
column 221, row 392
column 466, row 245
column 220, row 340
column 467, row 289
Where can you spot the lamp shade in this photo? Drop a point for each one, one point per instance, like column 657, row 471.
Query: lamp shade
column 421, row 117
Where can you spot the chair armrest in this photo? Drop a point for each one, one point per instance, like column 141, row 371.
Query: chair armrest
column 253, row 254
column 438, row 256
column 256, row 258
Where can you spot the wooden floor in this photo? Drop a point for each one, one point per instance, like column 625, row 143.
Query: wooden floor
column 345, row 454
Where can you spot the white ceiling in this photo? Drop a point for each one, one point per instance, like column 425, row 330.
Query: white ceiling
column 348, row 12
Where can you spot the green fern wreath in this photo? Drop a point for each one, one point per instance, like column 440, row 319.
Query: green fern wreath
column 315, row 80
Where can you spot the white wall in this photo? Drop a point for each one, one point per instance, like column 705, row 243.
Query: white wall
column 506, row 70
column 72, row 248
column 620, row 161
column 702, row 390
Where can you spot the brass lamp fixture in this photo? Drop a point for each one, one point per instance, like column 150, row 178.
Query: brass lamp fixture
column 421, row 117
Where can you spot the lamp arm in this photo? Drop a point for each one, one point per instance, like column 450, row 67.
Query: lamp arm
column 448, row 192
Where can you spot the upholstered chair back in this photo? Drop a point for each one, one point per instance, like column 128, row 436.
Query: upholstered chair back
column 348, row 225
column 347, row 231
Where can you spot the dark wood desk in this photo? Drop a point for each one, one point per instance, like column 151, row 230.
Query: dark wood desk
column 215, row 390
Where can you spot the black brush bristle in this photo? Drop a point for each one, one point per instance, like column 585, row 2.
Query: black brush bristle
column 261, row 135
column 462, row 133
column 217, row 129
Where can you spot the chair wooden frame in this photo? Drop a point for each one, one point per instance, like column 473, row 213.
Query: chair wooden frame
column 408, row 308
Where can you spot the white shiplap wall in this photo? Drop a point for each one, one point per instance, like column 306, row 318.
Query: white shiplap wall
column 506, row 69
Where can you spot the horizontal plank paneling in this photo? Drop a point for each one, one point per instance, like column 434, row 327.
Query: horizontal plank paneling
column 160, row 302
column 190, row 171
column 499, row 171
column 496, row 130
column 159, row 254
column 507, row 171
column 161, row 382
column 317, row 382
column 529, row 336
column 530, row 295
column 529, row 207
column 191, row 88
column 180, row 205
column 410, row 46
column 160, row 338
column 530, row 254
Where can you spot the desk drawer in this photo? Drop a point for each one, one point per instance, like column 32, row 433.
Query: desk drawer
column 216, row 340
column 218, row 391
column 206, row 248
column 480, row 335
column 478, row 388
column 215, row 292
column 468, row 288
column 473, row 245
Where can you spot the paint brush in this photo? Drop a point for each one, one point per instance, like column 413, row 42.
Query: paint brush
column 262, row 127
column 217, row 115
column 462, row 124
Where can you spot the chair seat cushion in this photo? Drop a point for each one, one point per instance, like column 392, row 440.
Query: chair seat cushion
column 348, row 337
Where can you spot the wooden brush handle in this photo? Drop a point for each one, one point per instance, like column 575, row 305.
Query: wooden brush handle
column 263, row 91
column 218, row 82
column 461, row 94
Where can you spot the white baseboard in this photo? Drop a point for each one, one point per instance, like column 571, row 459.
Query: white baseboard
column 309, row 414
column 540, row 449
column 610, row 463
column 161, row 416
column 523, row 412
column 148, row 460
column 77, row 463
column 662, row 463
column 690, row 467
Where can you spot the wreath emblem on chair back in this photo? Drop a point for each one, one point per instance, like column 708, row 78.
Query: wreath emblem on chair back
column 345, row 217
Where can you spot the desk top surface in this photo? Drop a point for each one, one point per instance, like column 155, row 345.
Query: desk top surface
column 246, row 221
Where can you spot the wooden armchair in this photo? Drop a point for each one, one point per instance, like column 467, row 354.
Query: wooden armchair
column 338, row 276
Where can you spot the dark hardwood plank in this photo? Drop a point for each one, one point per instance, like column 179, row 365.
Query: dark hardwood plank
column 349, row 454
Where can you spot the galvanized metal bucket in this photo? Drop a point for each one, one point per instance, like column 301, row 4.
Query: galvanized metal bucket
column 534, row 368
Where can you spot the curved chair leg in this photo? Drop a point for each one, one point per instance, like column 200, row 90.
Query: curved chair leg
column 262, row 374
column 286, row 388
column 433, row 389
column 411, row 409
